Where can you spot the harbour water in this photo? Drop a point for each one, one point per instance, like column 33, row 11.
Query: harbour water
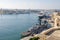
column 11, row 26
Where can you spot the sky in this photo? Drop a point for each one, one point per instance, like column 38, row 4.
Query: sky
column 30, row 4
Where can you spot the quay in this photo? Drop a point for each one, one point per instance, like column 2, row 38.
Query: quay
column 38, row 28
column 52, row 33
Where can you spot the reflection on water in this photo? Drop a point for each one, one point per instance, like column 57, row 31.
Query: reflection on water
column 11, row 26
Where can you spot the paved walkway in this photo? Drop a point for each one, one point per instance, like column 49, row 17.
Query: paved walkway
column 26, row 38
column 55, row 35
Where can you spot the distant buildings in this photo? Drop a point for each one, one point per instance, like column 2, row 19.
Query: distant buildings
column 17, row 11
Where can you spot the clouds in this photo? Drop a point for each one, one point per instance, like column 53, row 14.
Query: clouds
column 32, row 4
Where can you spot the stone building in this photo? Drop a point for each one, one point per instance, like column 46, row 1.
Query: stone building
column 54, row 32
column 56, row 19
